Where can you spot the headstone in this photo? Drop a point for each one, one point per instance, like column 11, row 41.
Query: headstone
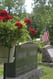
column 26, row 58
column 47, row 54
column 25, row 64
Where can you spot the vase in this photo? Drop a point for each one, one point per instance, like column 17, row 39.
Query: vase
column 6, row 54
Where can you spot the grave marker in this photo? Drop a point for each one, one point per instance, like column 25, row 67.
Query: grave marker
column 47, row 54
column 25, row 64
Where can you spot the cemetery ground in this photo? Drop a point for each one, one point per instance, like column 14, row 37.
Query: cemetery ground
column 1, row 69
column 47, row 70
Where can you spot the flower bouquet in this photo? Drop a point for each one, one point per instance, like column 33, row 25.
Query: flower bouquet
column 10, row 33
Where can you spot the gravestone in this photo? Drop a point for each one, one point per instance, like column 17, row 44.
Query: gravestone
column 47, row 54
column 25, row 64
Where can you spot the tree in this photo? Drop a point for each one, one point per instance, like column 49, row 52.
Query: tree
column 19, row 6
column 14, row 6
column 9, row 4
column 1, row 5
column 42, row 14
column 50, row 3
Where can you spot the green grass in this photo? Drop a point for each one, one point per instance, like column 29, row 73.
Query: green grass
column 1, row 70
column 47, row 70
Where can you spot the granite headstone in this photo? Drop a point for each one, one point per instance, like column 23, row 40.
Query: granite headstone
column 47, row 54
column 25, row 64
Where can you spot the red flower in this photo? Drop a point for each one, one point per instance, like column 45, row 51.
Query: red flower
column 19, row 25
column 17, row 21
column 32, row 31
column 1, row 18
column 9, row 17
column 3, row 13
column 28, row 21
column 4, row 16
column 5, row 19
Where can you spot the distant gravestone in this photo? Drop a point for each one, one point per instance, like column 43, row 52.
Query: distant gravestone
column 47, row 54
column 25, row 64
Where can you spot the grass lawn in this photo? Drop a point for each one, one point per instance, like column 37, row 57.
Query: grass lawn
column 47, row 70
column 1, row 70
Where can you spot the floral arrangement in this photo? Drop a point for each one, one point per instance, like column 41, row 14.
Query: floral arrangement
column 13, row 31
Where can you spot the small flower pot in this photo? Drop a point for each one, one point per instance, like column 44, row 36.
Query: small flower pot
column 6, row 54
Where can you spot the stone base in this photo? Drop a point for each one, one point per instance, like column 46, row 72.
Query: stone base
column 34, row 74
column 46, row 64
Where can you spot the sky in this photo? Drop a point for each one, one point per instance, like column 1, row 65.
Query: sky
column 28, row 6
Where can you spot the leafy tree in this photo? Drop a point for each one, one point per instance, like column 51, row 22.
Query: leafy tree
column 14, row 6
column 9, row 4
column 42, row 14
column 1, row 5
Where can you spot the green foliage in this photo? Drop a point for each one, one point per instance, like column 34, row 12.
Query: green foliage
column 14, row 6
column 9, row 33
column 1, row 71
column 39, row 44
column 42, row 14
